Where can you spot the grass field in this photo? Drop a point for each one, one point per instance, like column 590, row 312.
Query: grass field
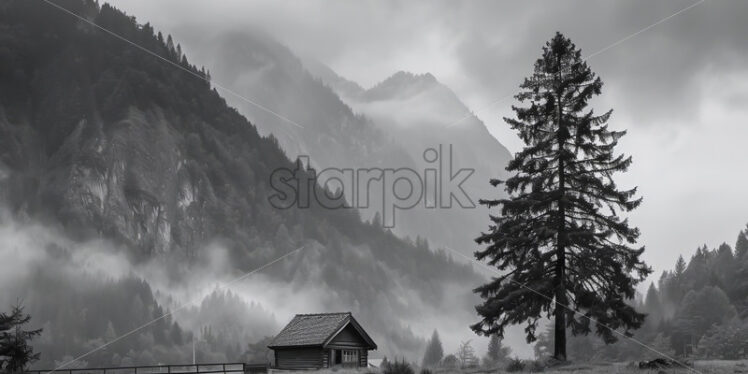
column 699, row 367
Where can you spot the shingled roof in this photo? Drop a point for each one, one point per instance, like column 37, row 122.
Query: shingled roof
column 316, row 330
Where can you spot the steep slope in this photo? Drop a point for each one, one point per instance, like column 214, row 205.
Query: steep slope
column 343, row 126
column 101, row 141
column 343, row 87
column 421, row 112
column 329, row 133
column 266, row 72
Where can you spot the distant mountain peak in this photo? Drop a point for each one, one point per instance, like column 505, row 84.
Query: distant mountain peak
column 411, row 78
column 342, row 86
column 402, row 84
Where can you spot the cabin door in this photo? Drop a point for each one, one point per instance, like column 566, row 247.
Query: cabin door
column 336, row 358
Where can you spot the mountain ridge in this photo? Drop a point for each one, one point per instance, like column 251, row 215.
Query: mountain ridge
column 109, row 145
column 423, row 113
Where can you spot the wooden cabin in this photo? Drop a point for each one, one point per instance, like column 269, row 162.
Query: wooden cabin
column 316, row 341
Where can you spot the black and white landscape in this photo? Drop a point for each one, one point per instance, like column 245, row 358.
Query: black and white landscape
column 441, row 183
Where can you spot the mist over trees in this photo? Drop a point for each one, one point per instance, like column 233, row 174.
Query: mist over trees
column 559, row 241
column 698, row 309
column 434, row 351
column 103, row 142
column 497, row 352
column 466, row 355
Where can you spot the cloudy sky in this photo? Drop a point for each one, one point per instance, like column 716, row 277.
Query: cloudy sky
column 675, row 75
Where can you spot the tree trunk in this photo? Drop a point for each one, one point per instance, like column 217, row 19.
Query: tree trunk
column 559, row 343
column 559, row 346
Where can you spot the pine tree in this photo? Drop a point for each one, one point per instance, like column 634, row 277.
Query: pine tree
column 653, row 304
column 170, row 45
column 680, row 266
column 377, row 220
column 496, row 351
column 15, row 351
column 434, row 351
column 110, row 333
column 559, row 240
column 741, row 246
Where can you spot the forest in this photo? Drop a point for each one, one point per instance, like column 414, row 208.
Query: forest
column 132, row 186
column 698, row 309
column 109, row 153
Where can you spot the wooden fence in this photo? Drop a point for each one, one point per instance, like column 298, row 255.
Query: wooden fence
column 230, row 368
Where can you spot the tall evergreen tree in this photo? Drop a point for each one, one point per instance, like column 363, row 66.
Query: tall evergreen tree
column 741, row 246
column 560, row 241
column 434, row 351
column 680, row 266
column 653, row 305
column 496, row 351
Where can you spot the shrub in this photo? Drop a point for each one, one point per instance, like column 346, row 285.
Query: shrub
column 425, row 371
column 397, row 367
column 536, row 366
column 450, row 362
column 515, row 364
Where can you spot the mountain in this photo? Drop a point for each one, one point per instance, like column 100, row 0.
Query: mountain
column 343, row 87
column 268, row 74
column 130, row 187
column 423, row 113
column 343, row 126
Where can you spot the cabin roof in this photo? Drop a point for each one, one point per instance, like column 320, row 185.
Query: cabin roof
column 317, row 330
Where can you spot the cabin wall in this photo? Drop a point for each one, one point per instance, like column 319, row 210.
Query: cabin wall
column 347, row 338
column 300, row 358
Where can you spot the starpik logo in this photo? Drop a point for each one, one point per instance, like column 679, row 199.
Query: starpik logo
column 437, row 186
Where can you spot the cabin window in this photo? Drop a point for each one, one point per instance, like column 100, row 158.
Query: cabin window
column 350, row 356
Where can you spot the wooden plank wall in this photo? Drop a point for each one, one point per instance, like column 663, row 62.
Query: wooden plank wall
column 300, row 358
column 347, row 338
column 363, row 355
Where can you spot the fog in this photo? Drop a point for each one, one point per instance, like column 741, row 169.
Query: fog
column 33, row 254
column 663, row 71
column 673, row 73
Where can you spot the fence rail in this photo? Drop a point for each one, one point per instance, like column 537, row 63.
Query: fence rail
column 221, row 368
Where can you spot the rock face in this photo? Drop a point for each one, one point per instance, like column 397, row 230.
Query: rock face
column 113, row 143
column 102, row 140
column 130, row 182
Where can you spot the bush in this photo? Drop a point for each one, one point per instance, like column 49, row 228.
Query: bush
column 397, row 367
column 727, row 341
column 450, row 362
column 536, row 366
column 425, row 371
column 515, row 364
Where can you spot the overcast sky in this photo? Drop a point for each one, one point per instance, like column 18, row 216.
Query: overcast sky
column 680, row 87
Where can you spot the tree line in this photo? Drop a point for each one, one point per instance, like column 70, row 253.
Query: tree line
column 698, row 309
